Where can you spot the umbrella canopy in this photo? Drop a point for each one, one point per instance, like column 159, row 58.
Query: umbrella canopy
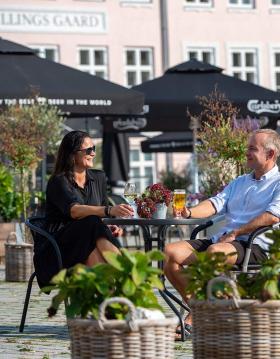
column 115, row 155
column 75, row 92
column 169, row 96
column 169, row 142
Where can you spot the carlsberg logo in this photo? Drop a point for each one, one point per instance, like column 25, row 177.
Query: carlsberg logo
column 259, row 106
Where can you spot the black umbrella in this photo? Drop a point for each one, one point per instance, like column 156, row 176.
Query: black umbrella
column 169, row 142
column 169, row 96
column 115, row 150
column 75, row 92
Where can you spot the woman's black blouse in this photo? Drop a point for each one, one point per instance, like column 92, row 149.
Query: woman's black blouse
column 61, row 195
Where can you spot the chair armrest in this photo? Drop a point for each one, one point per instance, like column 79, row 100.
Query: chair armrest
column 250, row 242
column 200, row 228
column 46, row 235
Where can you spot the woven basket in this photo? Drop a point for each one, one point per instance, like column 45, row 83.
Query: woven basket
column 121, row 339
column 19, row 260
column 239, row 329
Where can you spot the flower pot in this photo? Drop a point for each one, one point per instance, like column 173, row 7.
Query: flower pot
column 132, row 338
column 5, row 230
column 160, row 212
column 18, row 256
column 235, row 328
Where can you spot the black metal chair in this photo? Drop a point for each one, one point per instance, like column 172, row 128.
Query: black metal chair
column 36, row 225
column 244, row 267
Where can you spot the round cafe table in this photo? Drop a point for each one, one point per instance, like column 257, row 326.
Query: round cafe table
column 162, row 225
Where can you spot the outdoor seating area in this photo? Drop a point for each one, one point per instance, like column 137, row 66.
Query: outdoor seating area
column 111, row 247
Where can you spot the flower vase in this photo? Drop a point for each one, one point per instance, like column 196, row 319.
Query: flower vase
column 160, row 212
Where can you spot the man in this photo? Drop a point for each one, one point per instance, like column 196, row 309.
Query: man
column 248, row 202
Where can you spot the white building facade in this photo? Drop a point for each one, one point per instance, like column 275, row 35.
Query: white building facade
column 121, row 40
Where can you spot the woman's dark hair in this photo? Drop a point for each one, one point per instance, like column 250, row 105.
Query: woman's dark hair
column 70, row 144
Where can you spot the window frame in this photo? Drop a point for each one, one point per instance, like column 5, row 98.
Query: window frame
column 92, row 68
column 240, row 5
column 200, row 49
column 242, row 69
column 199, row 4
column 42, row 51
column 274, row 69
column 137, row 67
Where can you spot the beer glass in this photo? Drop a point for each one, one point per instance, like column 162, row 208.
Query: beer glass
column 179, row 202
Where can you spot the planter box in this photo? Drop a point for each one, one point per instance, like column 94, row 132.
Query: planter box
column 5, row 230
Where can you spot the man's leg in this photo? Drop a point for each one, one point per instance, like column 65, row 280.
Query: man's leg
column 226, row 248
column 177, row 255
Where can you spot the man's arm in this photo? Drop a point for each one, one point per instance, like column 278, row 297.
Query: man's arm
column 264, row 219
column 202, row 210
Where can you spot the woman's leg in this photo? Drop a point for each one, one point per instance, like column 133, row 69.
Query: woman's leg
column 102, row 245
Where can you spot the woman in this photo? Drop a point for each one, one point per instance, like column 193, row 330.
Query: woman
column 75, row 202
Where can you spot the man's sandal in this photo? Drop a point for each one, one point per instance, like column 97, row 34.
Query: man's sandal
column 188, row 332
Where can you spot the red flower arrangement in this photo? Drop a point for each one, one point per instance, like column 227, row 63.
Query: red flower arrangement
column 153, row 194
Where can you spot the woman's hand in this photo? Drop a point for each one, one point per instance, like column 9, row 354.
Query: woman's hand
column 116, row 231
column 122, row 210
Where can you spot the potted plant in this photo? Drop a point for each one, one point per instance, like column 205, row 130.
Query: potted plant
column 10, row 206
column 128, row 276
column 26, row 134
column 235, row 320
column 154, row 201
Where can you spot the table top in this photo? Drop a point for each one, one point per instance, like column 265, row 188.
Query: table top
column 162, row 222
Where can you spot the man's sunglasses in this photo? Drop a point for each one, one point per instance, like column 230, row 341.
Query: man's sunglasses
column 88, row 150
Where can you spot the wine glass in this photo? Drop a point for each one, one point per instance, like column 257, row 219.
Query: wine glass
column 130, row 192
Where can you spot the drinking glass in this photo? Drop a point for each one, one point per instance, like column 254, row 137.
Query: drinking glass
column 130, row 192
column 179, row 201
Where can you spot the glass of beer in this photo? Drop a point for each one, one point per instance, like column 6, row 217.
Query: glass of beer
column 179, row 202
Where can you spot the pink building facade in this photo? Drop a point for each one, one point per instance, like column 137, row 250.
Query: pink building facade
column 121, row 40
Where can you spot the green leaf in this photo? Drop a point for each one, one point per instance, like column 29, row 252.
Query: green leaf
column 59, row 277
column 156, row 255
column 138, row 276
column 113, row 259
column 156, row 282
column 128, row 287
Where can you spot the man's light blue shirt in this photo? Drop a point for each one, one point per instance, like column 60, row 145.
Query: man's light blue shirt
column 246, row 198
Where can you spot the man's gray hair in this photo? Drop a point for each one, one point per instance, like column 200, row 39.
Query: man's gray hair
column 272, row 141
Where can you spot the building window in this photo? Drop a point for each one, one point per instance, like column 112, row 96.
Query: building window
column 199, row 3
column 138, row 65
column 137, row 1
column 241, row 3
column 93, row 60
column 276, row 69
column 244, row 64
column 46, row 52
column 275, row 2
column 142, row 169
column 201, row 54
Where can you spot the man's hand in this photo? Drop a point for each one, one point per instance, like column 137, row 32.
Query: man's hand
column 227, row 237
column 116, row 231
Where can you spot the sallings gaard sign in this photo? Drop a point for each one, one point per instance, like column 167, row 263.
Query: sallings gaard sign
column 42, row 20
column 260, row 106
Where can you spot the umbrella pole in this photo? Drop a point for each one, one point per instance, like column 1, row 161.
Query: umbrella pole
column 194, row 125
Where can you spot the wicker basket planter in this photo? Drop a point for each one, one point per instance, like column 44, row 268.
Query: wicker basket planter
column 121, row 339
column 19, row 260
column 239, row 329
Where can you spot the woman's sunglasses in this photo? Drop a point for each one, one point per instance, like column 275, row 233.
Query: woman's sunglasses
column 88, row 150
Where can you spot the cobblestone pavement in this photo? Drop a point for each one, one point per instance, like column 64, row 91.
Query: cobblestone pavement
column 43, row 338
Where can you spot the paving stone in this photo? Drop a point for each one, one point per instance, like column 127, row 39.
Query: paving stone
column 43, row 338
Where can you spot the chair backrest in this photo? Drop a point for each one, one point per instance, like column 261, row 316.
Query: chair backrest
column 37, row 225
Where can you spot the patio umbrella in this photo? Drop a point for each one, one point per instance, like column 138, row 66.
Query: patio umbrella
column 115, row 150
column 75, row 92
column 169, row 96
column 169, row 142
